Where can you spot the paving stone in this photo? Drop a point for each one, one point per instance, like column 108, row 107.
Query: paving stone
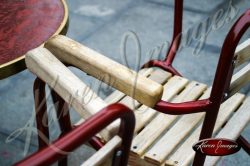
column 88, row 16
column 13, row 152
column 192, row 5
column 216, row 37
column 152, row 29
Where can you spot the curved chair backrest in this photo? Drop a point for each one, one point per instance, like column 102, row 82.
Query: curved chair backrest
column 79, row 135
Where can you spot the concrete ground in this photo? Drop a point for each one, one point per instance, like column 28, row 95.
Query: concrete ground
column 102, row 25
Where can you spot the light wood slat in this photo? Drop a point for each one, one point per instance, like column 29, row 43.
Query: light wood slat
column 65, row 83
column 185, row 154
column 143, row 114
column 159, row 124
column 243, row 52
column 117, row 95
column 114, row 97
column 176, row 133
column 105, row 153
column 240, row 79
column 172, row 87
column 233, row 128
column 112, row 73
column 161, row 76
column 128, row 101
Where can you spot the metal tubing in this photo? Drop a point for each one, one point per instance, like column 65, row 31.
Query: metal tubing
column 62, row 111
column 63, row 117
column 41, row 113
column 183, row 108
column 244, row 144
column 222, row 78
column 167, row 63
column 85, row 131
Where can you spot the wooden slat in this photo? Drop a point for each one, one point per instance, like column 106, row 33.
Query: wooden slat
column 240, row 79
column 114, row 74
column 143, row 114
column 158, row 76
column 176, row 133
column 173, row 87
column 159, row 124
column 185, row 154
column 233, row 128
column 105, row 153
column 243, row 52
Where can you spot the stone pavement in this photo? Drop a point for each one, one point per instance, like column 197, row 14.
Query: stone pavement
column 102, row 25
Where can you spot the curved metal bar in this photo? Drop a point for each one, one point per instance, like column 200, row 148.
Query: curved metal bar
column 84, row 132
column 167, row 63
column 163, row 65
column 183, row 108
column 225, row 65
column 222, row 78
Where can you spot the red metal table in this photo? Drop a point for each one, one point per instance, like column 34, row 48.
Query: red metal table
column 25, row 25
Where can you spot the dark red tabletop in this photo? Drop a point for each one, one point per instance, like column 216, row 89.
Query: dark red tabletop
column 24, row 25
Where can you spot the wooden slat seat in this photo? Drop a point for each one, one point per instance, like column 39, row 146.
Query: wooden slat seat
column 162, row 139
column 159, row 139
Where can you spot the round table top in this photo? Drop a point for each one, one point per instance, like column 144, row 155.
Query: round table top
column 25, row 25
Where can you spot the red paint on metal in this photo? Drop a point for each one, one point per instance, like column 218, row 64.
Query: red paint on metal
column 183, row 108
column 84, row 132
column 27, row 24
column 41, row 113
column 167, row 63
column 244, row 144
column 222, row 78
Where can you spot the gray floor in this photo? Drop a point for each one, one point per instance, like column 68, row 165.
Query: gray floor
column 101, row 25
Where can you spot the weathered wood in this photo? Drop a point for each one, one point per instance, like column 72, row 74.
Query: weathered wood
column 240, row 79
column 185, row 154
column 118, row 76
column 161, row 122
column 242, row 52
column 105, row 153
column 152, row 131
column 233, row 128
column 144, row 114
column 117, row 95
column 179, row 130
column 157, row 75
column 48, row 68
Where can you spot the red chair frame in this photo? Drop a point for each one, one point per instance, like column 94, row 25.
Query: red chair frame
column 77, row 136
column 210, row 106
column 221, row 82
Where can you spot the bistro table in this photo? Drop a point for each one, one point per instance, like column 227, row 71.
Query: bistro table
column 25, row 25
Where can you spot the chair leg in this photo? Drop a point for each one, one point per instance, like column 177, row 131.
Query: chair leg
column 41, row 113
column 244, row 144
column 62, row 112
column 63, row 116
column 206, row 132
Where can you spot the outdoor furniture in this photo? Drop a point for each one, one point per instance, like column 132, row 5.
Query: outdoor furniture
column 159, row 96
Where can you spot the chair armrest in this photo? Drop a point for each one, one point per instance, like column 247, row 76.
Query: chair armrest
column 75, row 138
column 53, row 72
column 119, row 76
